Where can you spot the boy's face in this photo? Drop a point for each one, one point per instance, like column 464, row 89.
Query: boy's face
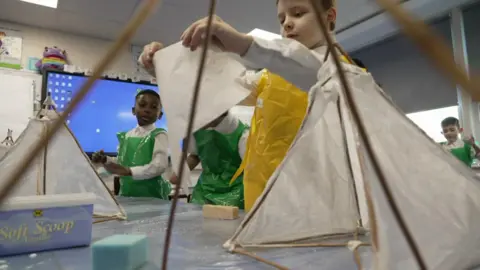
column 298, row 21
column 147, row 109
column 451, row 133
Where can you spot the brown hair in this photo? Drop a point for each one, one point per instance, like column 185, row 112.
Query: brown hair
column 327, row 4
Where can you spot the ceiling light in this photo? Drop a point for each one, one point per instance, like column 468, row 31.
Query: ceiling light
column 264, row 34
column 45, row 3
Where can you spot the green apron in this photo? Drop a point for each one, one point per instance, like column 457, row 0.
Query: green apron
column 220, row 160
column 463, row 153
column 138, row 151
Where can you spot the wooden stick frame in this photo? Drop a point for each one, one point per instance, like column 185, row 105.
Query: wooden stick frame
column 319, row 12
column 432, row 46
column 193, row 110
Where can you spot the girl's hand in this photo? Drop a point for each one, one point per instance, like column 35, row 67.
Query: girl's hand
column 470, row 139
column 224, row 36
column 148, row 52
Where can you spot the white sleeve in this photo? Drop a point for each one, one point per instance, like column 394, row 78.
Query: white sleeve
column 285, row 57
column 113, row 159
column 242, row 143
column 192, row 147
column 159, row 163
column 250, row 79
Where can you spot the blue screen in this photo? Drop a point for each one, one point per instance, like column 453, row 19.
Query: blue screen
column 106, row 110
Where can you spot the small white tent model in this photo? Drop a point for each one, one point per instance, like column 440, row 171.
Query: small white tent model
column 61, row 168
column 312, row 194
column 6, row 143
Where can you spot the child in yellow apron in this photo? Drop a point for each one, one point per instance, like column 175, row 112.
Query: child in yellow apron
column 279, row 112
column 142, row 152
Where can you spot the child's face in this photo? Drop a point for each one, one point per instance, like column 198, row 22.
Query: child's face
column 451, row 133
column 298, row 21
column 147, row 109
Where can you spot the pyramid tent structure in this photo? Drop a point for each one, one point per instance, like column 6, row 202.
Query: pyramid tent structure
column 61, row 168
column 314, row 186
column 6, row 143
column 319, row 189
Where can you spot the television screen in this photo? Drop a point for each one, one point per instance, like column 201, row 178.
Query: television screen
column 106, row 110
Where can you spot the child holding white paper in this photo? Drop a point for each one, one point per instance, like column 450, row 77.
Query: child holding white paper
column 142, row 152
column 280, row 106
column 220, row 147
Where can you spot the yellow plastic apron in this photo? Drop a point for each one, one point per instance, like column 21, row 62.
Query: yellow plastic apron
column 278, row 115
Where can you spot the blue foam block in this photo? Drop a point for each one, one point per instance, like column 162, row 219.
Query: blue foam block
column 120, row 252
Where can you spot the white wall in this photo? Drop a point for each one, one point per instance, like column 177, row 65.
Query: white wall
column 406, row 75
column 82, row 51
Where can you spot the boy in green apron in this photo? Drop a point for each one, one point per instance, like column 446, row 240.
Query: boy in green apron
column 142, row 152
column 219, row 147
column 465, row 150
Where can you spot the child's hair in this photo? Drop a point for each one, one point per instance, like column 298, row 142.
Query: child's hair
column 147, row 92
column 450, row 121
column 327, row 4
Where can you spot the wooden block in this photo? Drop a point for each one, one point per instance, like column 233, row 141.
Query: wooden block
column 220, row 212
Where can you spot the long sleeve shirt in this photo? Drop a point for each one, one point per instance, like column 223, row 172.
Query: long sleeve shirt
column 285, row 57
column 159, row 163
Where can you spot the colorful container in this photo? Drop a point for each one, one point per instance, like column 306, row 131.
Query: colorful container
column 40, row 223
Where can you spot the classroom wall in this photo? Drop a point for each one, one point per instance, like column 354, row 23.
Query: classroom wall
column 82, row 51
column 407, row 75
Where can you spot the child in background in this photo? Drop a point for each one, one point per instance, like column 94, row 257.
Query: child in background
column 280, row 102
column 464, row 150
column 219, row 147
column 142, row 152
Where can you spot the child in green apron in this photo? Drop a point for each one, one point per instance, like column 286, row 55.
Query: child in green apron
column 142, row 152
column 219, row 147
column 465, row 150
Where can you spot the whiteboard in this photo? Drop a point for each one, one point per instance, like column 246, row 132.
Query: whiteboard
column 18, row 92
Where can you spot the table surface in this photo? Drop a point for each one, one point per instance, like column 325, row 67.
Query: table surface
column 196, row 244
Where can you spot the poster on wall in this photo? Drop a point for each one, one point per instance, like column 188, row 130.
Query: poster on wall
column 139, row 71
column 10, row 48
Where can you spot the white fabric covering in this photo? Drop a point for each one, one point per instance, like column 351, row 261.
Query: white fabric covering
column 66, row 168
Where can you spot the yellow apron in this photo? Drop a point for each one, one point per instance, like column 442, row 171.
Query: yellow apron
column 278, row 115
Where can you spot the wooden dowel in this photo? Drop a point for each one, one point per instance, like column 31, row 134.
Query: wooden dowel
column 260, row 259
column 193, row 110
column 365, row 140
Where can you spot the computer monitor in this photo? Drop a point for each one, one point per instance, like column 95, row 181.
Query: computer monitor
column 104, row 112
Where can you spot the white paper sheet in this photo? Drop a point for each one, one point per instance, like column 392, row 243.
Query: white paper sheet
column 176, row 69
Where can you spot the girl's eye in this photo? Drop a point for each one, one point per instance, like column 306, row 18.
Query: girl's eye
column 298, row 14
